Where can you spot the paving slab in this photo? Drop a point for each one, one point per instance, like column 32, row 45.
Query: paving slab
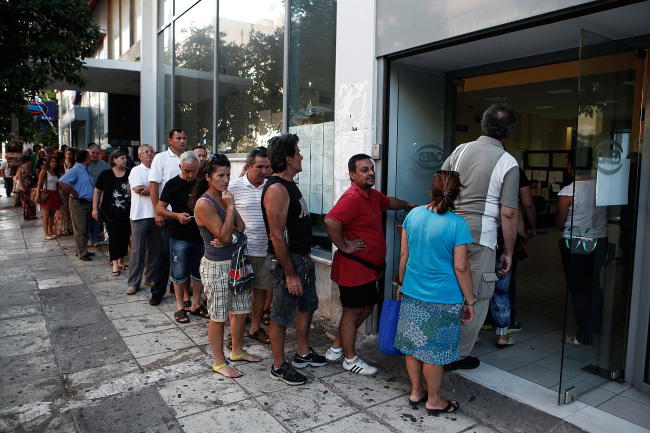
column 34, row 324
column 128, row 412
column 157, row 342
column 244, row 416
column 50, row 283
column 356, row 423
column 69, row 332
column 89, row 378
column 171, row 358
column 19, row 345
column 146, row 323
column 368, row 391
column 91, row 355
column 24, row 369
column 200, row 393
column 306, row 406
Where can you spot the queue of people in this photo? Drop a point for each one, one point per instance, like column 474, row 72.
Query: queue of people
column 184, row 218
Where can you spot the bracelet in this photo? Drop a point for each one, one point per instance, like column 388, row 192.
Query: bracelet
column 468, row 304
column 232, row 221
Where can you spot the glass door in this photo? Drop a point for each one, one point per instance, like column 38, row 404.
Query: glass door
column 597, row 245
column 417, row 148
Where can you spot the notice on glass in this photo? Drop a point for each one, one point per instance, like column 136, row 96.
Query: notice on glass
column 316, row 187
column 304, row 179
column 328, row 166
column 611, row 189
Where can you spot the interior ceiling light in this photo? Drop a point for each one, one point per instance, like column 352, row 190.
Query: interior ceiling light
column 497, row 99
column 544, row 107
column 559, row 91
column 630, row 83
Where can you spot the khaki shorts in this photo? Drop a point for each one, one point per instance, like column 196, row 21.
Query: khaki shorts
column 263, row 278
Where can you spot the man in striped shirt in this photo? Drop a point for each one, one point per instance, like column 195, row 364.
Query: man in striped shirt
column 489, row 198
column 247, row 190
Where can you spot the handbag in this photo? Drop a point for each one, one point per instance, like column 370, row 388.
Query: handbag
column 388, row 327
column 241, row 275
column 42, row 198
column 33, row 195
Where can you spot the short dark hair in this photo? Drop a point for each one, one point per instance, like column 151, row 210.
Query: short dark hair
column 498, row 121
column 198, row 146
column 201, row 186
column 173, row 130
column 280, row 147
column 26, row 158
column 581, row 158
column 258, row 151
column 82, row 155
column 352, row 163
column 115, row 155
column 35, row 146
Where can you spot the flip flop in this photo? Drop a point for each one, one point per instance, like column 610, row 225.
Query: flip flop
column 124, row 267
column 239, row 357
column 115, row 274
column 216, row 369
column 415, row 403
column 450, row 408
column 508, row 343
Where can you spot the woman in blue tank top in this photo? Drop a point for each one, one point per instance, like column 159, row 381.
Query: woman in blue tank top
column 217, row 218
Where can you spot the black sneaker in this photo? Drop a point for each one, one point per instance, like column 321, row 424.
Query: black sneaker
column 312, row 358
column 467, row 363
column 287, row 374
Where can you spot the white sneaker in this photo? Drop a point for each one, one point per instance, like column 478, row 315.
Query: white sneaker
column 359, row 366
column 332, row 356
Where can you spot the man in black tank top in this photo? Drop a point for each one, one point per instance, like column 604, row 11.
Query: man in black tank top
column 287, row 223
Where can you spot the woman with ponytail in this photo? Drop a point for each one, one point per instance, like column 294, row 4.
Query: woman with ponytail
column 435, row 286
column 217, row 218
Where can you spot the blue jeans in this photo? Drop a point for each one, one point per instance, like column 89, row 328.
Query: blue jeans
column 185, row 258
column 161, row 274
column 500, row 302
column 95, row 227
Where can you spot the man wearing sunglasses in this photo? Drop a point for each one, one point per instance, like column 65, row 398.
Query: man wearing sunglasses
column 489, row 198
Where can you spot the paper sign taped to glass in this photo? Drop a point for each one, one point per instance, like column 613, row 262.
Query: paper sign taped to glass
column 613, row 174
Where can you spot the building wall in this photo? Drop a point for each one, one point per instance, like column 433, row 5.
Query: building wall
column 404, row 24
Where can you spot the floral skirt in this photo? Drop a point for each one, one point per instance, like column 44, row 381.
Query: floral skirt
column 428, row 331
column 62, row 218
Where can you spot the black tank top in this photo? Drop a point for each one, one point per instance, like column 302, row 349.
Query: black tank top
column 297, row 232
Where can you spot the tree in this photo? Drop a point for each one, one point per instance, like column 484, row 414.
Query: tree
column 41, row 42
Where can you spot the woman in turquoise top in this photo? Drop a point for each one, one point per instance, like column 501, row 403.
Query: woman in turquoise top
column 436, row 278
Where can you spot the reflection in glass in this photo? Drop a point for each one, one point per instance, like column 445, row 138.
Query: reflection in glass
column 312, row 65
column 194, row 34
column 164, row 12
column 251, row 60
column 165, row 86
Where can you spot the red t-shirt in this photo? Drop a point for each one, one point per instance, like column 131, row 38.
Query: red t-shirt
column 360, row 216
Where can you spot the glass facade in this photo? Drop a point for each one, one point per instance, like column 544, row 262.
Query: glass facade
column 194, row 34
column 247, row 80
column 250, row 86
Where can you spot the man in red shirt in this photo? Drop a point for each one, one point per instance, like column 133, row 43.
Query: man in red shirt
column 355, row 226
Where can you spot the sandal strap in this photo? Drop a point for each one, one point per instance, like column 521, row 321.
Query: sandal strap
column 238, row 357
column 216, row 367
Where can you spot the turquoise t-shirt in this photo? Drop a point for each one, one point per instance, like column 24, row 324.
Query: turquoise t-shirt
column 430, row 275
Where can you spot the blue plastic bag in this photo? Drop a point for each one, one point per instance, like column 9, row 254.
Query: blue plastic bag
column 388, row 327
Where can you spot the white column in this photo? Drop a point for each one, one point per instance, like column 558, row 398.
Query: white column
column 148, row 75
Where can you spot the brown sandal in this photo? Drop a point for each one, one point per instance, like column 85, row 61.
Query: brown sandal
column 181, row 316
column 259, row 335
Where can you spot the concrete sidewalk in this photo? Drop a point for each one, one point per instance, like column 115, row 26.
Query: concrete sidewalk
column 78, row 355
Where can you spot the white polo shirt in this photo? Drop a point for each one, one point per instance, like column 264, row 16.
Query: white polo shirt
column 248, row 201
column 141, row 206
column 165, row 166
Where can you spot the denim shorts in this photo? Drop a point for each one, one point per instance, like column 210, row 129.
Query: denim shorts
column 285, row 305
column 185, row 257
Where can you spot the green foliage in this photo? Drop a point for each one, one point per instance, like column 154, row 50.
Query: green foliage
column 42, row 41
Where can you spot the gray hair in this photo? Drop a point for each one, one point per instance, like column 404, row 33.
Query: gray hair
column 144, row 145
column 499, row 121
column 92, row 146
column 190, row 157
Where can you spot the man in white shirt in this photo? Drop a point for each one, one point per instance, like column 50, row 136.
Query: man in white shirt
column 145, row 235
column 165, row 166
column 247, row 190
column 5, row 168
